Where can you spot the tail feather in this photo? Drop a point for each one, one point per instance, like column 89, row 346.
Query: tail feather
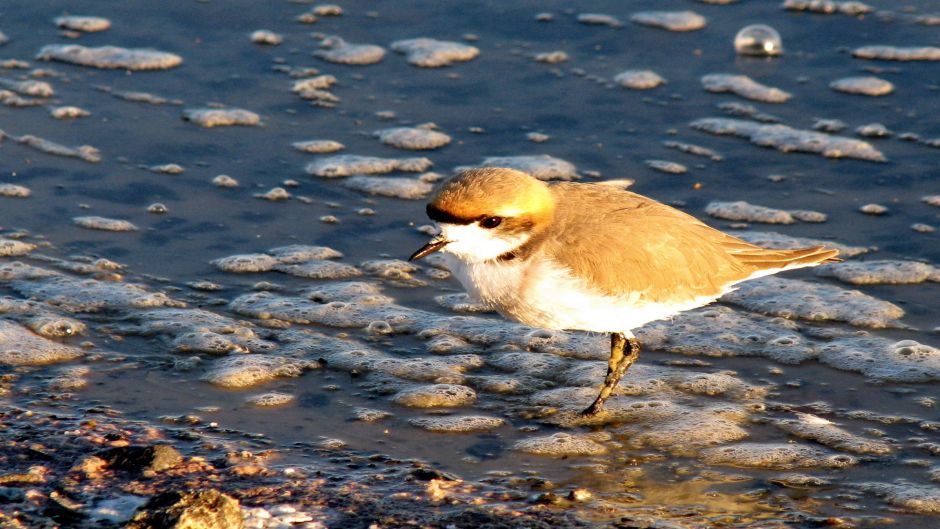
column 774, row 260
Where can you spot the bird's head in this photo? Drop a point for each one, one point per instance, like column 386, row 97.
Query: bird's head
column 488, row 213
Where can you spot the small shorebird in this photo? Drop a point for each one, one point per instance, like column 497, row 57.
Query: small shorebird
column 590, row 257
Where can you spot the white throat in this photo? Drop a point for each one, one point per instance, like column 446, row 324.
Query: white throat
column 474, row 244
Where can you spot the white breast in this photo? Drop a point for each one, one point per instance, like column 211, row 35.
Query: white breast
column 541, row 293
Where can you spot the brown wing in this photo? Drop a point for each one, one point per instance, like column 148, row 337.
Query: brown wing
column 640, row 245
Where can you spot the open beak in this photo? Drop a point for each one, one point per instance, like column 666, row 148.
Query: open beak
column 434, row 245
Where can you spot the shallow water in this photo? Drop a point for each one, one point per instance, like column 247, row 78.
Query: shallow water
column 488, row 105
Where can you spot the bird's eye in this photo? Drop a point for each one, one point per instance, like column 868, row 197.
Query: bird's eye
column 491, row 222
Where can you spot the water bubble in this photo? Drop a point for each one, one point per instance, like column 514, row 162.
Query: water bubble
column 759, row 40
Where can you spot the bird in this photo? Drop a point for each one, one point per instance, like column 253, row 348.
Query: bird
column 589, row 256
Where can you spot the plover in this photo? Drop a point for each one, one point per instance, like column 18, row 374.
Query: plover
column 590, row 257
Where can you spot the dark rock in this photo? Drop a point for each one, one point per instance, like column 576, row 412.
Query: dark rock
column 193, row 509
column 427, row 474
column 154, row 458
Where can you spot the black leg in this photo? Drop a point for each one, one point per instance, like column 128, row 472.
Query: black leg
column 623, row 352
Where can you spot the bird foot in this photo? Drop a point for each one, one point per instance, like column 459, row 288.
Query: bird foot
column 593, row 409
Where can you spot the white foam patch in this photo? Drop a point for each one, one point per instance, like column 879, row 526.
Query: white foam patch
column 15, row 248
column 20, row 347
column 670, row 20
column 883, row 359
column 85, row 24
column 923, row 499
column 318, row 146
column 882, row 272
column 828, row 7
column 422, row 137
column 251, row 370
column 342, row 165
column 104, row 224
column 743, row 211
column 91, row 295
column 775, row 456
column 336, row 50
column 866, row 86
column 109, row 57
column 897, row 53
column 543, row 167
column 813, row 428
column 457, row 423
column 599, row 19
column 221, row 117
column 793, row 298
column 401, row 187
column 744, row 86
column 433, row 53
column 788, row 139
column 561, row 445
column 435, row 396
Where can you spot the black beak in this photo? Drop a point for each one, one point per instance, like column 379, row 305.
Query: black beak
column 434, row 245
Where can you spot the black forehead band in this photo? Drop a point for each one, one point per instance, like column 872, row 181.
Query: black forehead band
column 439, row 215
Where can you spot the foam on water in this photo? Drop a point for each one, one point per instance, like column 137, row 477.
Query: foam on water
column 19, row 347
column 167, row 168
column 266, row 37
column 788, row 139
column 543, row 167
column 457, row 423
column 319, row 269
column 669, row 20
column 402, row 187
column 744, row 86
column 882, row 272
column 245, row 371
column 108, row 57
column 883, row 359
column 820, row 430
column 748, row 212
column 320, row 82
column 422, row 137
column 28, row 87
column 793, row 298
column 85, row 24
column 221, row 117
column 873, row 130
column 271, row 400
column 866, row 86
column 551, row 57
column 775, row 456
column 828, row 7
column 68, row 112
column 896, row 53
column 433, row 53
column 89, row 295
column 342, row 165
column 104, row 223
column 318, row 146
column 665, row 166
column 336, row 50
column 908, row 496
column 14, row 248
column 14, row 191
column 561, row 444
column 697, row 150
column 435, row 396
column 599, row 19
column 85, row 153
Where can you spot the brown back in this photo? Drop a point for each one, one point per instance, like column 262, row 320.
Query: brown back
column 627, row 243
